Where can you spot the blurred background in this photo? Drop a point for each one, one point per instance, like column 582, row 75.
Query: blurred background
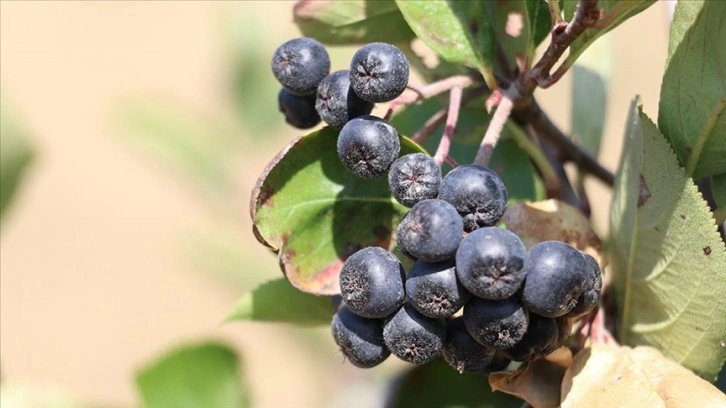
column 145, row 126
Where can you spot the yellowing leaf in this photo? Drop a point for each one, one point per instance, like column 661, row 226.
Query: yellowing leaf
column 610, row 376
column 667, row 258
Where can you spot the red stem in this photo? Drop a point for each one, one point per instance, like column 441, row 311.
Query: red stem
column 451, row 119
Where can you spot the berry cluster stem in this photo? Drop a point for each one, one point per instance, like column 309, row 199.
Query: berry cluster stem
column 430, row 90
column 517, row 99
column 494, row 130
column 440, row 116
column 442, row 152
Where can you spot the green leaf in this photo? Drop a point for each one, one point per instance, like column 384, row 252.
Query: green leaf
column 459, row 31
column 15, row 156
column 539, row 21
column 693, row 94
column 614, row 12
column 279, row 301
column 315, row 213
column 718, row 184
column 535, row 20
column 196, row 376
column 718, row 187
column 435, row 384
column 668, row 260
column 591, row 76
column 351, row 21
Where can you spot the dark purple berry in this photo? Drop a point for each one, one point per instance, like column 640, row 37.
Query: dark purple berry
column 431, row 231
column 336, row 102
column 432, row 288
column 414, row 177
column 299, row 111
column 367, row 146
column 379, row 72
column 462, row 352
column 371, row 283
column 477, row 193
column 539, row 340
column 490, row 263
column 413, row 337
column 557, row 274
column 590, row 297
column 300, row 64
column 496, row 324
column 360, row 339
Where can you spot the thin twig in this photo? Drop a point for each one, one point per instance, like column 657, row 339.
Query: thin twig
column 429, row 126
column 564, row 191
column 429, row 91
column 494, row 130
column 451, row 161
column 568, row 150
column 451, row 118
column 586, row 16
column 440, row 116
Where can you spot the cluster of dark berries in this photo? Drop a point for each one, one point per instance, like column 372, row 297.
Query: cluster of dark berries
column 310, row 92
column 517, row 304
column 367, row 145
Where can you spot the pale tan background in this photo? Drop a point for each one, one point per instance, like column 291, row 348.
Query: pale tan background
column 94, row 281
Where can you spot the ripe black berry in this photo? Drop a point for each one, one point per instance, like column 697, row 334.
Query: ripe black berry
column 497, row 324
column 299, row 111
column 539, row 340
column 590, row 297
column 462, row 352
column 367, row 146
column 432, row 288
column 336, row 102
column 414, row 177
column 379, row 72
column 300, row 64
column 490, row 262
column 477, row 193
column 371, row 283
column 557, row 275
column 360, row 339
column 414, row 337
column 431, row 231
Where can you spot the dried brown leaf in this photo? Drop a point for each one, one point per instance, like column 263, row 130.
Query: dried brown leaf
column 552, row 220
column 537, row 382
column 611, row 376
